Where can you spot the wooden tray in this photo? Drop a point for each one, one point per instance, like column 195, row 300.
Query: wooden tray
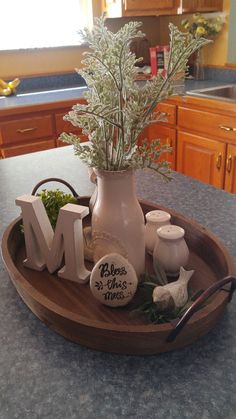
column 70, row 309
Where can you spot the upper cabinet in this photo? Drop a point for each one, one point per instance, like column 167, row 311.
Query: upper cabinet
column 120, row 8
column 192, row 6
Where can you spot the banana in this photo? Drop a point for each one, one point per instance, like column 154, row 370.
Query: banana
column 6, row 92
column 14, row 83
column 3, row 84
column 7, row 89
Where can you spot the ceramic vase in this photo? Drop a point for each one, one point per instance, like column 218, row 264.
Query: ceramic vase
column 117, row 218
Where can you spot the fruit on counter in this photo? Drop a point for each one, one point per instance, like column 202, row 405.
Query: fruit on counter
column 7, row 89
column 3, row 84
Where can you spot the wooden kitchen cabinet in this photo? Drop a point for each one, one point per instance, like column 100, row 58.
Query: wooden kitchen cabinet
column 209, row 123
column 192, row 6
column 230, row 173
column 26, row 133
column 206, row 141
column 34, row 128
column 26, row 129
column 201, row 158
column 150, row 7
column 120, row 8
column 164, row 131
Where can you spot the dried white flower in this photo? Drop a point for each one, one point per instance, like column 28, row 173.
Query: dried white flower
column 118, row 108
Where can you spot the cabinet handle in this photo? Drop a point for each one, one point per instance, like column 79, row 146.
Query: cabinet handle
column 219, row 161
column 225, row 128
column 165, row 113
column 169, row 142
column 22, row 130
column 229, row 164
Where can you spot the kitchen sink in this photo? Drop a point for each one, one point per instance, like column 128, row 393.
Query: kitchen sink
column 226, row 93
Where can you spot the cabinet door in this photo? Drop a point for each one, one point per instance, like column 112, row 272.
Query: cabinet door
column 201, row 158
column 230, row 174
column 150, row 7
column 207, row 5
column 191, row 6
column 166, row 135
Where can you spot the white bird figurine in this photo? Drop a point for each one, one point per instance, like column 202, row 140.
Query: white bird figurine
column 175, row 294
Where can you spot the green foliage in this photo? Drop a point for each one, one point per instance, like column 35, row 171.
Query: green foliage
column 53, row 200
column 145, row 306
column 160, row 277
column 118, row 108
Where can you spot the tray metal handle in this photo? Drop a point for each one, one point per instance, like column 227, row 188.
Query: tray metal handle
column 55, row 179
column 200, row 300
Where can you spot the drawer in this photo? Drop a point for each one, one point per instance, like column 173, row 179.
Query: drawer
column 207, row 123
column 169, row 111
column 26, row 129
column 65, row 126
column 27, row 148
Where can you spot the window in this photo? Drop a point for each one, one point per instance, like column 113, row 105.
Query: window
column 43, row 23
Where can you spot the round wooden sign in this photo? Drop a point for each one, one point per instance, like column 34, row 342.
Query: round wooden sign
column 113, row 280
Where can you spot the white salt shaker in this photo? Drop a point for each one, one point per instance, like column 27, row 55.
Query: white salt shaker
column 171, row 250
column 154, row 220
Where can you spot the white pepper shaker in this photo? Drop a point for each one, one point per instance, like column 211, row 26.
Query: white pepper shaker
column 171, row 250
column 154, row 220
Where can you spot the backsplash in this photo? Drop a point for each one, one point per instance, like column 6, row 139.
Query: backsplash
column 52, row 82
column 63, row 81
column 221, row 75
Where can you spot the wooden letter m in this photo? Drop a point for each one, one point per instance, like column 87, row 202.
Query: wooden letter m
column 44, row 248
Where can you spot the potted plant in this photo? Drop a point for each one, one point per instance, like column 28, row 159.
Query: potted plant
column 117, row 110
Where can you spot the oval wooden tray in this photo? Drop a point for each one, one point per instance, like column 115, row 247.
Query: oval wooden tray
column 70, row 309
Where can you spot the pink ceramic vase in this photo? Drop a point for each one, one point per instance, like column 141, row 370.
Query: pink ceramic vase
column 117, row 218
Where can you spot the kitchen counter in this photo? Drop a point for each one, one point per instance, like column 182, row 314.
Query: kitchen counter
column 37, row 98
column 59, row 95
column 44, row 376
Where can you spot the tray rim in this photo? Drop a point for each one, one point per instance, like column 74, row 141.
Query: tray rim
column 15, row 275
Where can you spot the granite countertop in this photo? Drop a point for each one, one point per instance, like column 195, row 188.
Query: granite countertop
column 58, row 95
column 44, row 376
column 36, row 98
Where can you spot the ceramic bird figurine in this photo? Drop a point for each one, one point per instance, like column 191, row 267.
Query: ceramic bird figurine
column 174, row 294
column 7, row 89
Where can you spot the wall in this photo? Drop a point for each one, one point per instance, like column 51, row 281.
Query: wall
column 61, row 60
column 39, row 61
column 215, row 54
column 232, row 33
column 20, row 63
